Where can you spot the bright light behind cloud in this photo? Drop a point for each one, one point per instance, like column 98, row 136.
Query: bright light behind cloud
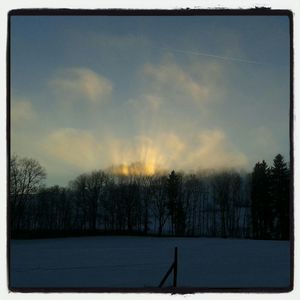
column 142, row 154
column 141, row 150
column 138, row 94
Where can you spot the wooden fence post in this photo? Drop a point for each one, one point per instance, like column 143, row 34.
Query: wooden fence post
column 175, row 268
column 172, row 268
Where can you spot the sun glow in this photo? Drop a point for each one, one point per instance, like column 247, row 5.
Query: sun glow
column 135, row 169
column 144, row 156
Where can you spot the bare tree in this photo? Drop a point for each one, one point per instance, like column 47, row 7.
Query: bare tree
column 221, row 185
column 235, row 204
column 26, row 177
column 89, row 190
column 158, row 188
column 195, row 204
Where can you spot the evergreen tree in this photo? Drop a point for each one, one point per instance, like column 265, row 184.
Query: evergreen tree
column 261, row 208
column 280, row 192
column 175, row 205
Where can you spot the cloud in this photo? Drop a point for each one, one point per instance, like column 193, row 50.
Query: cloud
column 210, row 149
column 170, row 77
column 142, row 154
column 214, row 150
column 81, row 84
column 145, row 104
column 151, row 152
column 21, row 111
column 73, row 146
column 139, row 149
column 153, row 103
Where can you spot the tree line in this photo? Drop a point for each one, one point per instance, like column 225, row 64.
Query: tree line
column 207, row 203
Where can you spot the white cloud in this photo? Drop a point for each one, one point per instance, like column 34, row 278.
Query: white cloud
column 170, row 78
column 154, row 152
column 153, row 102
column 139, row 149
column 214, row 150
column 21, row 111
column 146, row 103
column 81, row 84
column 164, row 151
column 76, row 147
column 210, row 149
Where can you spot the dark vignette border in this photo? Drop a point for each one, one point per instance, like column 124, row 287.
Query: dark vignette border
column 257, row 11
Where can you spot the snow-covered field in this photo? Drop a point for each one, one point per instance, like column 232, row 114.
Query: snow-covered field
column 142, row 262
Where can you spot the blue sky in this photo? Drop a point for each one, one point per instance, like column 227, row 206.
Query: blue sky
column 172, row 92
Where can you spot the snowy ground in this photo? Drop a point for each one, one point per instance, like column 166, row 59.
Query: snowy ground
column 142, row 262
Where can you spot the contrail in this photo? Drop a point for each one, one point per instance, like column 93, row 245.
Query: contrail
column 216, row 56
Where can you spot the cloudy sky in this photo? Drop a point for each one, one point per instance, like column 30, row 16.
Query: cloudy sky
column 169, row 92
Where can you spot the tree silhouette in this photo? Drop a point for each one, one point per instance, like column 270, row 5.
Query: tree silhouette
column 280, row 187
column 270, row 195
column 225, row 203
column 26, row 177
column 175, row 205
column 262, row 213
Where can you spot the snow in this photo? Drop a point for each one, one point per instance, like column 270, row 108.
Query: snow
column 120, row 261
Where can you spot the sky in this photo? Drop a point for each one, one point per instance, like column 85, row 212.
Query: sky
column 170, row 92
